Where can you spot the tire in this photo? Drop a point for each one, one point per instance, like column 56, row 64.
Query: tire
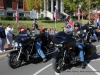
column 12, row 61
column 57, row 63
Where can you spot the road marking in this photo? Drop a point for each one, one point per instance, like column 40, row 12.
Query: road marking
column 59, row 74
column 93, row 69
column 42, row 69
column 97, row 45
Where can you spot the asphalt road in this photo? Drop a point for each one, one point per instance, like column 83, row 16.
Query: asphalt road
column 92, row 68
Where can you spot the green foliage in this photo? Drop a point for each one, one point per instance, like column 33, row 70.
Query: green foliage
column 14, row 18
column 6, row 18
column 72, row 5
column 33, row 4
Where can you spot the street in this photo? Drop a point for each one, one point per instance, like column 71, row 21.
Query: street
column 92, row 67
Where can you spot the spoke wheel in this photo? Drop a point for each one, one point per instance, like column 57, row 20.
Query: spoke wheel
column 12, row 61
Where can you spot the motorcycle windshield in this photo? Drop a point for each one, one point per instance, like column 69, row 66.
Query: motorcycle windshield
column 62, row 37
column 21, row 35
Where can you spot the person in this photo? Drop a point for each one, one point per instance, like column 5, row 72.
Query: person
column 2, row 38
column 42, row 30
column 98, row 23
column 36, row 24
column 66, row 30
column 94, row 31
column 91, row 30
column 33, row 33
column 9, row 36
column 80, row 22
column 19, row 29
column 77, row 30
column 70, row 23
column 66, row 19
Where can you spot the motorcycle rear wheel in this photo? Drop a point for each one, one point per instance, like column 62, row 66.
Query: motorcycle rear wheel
column 12, row 61
column 58, row 64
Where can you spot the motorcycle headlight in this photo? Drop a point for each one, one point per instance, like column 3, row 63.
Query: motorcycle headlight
column 58, row 45
column 15, row 44
column 20, row 44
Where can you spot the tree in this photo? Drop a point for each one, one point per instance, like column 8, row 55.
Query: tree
column 33, row 4
column 72, row 5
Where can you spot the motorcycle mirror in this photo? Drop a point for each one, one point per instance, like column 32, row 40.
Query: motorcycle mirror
column 84, row 30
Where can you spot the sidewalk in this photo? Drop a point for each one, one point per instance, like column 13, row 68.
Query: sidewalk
column 6, row 50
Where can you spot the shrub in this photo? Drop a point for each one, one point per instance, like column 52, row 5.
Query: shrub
column 2, row 17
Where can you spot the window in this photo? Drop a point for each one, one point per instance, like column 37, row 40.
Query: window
column 49, row 5
column 9, row 14
column 21, row 14
column 20, row 4
column 9, row 3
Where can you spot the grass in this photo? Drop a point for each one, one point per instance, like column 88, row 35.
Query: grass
column 25, row 24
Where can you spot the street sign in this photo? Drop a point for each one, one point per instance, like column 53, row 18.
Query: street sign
column 33, row 14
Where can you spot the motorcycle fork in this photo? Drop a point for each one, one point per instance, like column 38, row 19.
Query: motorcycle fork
column 19, row 53
column 64, row 57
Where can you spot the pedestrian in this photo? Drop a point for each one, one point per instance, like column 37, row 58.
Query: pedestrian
column 19, row 29
column 2, row 38
column 66, row 19
column 80, row 22
column 42, row 30
column 9, row 36
column 36, row 24
column 70, row 22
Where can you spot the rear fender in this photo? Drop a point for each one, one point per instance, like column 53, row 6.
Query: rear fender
column 11, row 53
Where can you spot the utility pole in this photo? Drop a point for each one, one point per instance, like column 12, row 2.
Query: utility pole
column 44, row 8
column 89, row 11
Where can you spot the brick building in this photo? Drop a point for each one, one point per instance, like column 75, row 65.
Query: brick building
column 8, row 7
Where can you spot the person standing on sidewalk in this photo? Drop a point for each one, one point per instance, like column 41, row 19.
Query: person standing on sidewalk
column 9, row 36
column 2, row 38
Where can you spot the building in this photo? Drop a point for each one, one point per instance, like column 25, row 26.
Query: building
column 8, row 7
column 49, row 7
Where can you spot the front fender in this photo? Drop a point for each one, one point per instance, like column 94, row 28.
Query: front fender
column 12, row 52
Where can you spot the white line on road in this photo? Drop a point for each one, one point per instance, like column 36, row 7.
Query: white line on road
column 93, row 69
column 97, row 45
column 57, row 73
column 42, row 69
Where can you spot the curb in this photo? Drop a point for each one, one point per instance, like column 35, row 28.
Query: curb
column 2, row 53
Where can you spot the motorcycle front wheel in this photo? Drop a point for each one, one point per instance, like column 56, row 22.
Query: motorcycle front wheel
column 12, row 61
column 58, row 64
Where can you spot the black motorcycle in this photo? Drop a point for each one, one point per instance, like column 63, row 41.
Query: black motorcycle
column 90, row 31
column 24, row 51
column 67, row 51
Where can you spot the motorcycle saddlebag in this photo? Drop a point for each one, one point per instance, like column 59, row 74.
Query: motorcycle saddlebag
column 90, row 49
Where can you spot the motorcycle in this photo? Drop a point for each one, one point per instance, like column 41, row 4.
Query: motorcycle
column 90, row 32
column 24, row 51
column 67, row 51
